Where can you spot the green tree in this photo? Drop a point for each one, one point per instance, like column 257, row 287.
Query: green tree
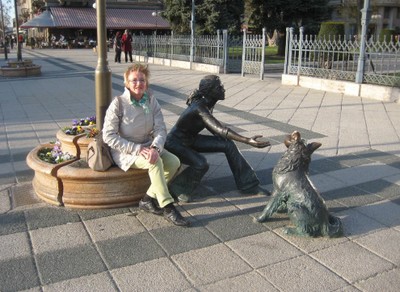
column 37, row 6
column 5, row 9
column 178, row 12
column 220, row 14
column 278, row 14
column 210, row 15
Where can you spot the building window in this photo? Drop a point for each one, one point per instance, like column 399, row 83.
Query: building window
column 386, row 13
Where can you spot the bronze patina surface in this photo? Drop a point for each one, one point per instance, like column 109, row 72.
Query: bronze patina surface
column 294, row 193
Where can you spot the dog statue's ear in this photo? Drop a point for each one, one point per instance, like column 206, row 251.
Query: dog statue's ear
column 295, row 136
column 288, row 141
column 313, row 146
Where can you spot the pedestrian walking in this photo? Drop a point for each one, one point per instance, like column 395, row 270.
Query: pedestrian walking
column 127, row 45
column 118, row 47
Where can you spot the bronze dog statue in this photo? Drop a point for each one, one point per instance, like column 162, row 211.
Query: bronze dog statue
column 295, row 194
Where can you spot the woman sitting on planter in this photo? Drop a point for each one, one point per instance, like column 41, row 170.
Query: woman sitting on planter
column 137, row 141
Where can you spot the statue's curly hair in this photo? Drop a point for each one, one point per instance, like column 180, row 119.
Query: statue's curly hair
column 206, row 84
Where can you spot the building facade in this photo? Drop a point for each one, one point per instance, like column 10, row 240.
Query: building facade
column 385, row 14
column 76, row 20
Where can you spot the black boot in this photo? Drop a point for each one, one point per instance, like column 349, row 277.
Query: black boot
column 149, row 205
column 185, row 183
column 172, row 215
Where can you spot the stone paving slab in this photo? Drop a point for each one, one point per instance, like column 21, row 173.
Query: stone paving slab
column 357, row 171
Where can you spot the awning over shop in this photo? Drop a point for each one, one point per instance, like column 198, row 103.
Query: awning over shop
column 71, row 17
column 45, row 20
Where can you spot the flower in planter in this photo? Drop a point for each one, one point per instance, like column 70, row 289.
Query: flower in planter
column 84, row 122
column 77, row 125
column 74, row 130
column 54, row 155
column 92, row 132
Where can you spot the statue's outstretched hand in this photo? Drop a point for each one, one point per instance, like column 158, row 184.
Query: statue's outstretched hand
column 259, row 144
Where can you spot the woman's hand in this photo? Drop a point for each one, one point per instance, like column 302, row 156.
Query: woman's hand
column 259, row 144
column 151, row 154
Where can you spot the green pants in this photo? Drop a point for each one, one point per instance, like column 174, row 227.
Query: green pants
column 160, row 174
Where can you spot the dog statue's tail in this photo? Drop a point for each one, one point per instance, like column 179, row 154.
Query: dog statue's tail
column 335, row 227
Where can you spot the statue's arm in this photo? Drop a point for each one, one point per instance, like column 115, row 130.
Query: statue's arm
column 232, row 135
column 215, row 127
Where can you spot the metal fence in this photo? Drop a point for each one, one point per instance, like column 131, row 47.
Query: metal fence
column 208, row 49
column 332, row 58
column 253, row 56
column 338, row 58
column 232, row 53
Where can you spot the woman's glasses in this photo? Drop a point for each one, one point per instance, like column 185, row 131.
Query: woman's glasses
column 135, row 81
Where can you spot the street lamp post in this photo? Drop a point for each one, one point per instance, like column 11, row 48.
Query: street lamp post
column 366, row 12
column 19, row 44
column 155, row 14
column 4, row 31
column 103, row 72
column 192, row 32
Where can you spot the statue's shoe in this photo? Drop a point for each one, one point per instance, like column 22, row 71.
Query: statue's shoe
column 255, row 191
column 184, row 198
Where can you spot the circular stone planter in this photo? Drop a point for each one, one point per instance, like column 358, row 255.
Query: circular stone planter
column 69, row 143
column 23, row 63
column 83, row 143
column 24, row 71
column 45, row 183
column 76, row 145
column 87, row 189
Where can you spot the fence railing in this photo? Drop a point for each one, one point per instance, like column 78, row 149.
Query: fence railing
column 329, row 58
column 337, row 58
column 233, row 54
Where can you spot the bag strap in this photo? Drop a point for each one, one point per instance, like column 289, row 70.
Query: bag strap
column 120, row 112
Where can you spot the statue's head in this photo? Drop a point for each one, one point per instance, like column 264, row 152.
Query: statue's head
column 211, row 88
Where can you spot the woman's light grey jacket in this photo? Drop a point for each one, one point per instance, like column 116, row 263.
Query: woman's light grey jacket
column 134, row 129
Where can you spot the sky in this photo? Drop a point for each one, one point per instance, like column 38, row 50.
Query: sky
column 11, row 12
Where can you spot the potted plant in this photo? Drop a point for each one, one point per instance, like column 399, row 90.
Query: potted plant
column 46, row 160
column 70, row 136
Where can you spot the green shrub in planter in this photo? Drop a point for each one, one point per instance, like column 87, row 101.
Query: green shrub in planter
column 386, row 35
column 331, row 29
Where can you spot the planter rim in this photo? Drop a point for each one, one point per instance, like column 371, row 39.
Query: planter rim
column 68, row 138
column 71, row 171
column 33, row 66
column 36, row 163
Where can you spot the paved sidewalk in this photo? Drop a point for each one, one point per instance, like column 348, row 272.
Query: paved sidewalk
column 357, row 170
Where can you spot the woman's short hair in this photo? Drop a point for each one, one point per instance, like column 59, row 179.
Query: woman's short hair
column 137, row 67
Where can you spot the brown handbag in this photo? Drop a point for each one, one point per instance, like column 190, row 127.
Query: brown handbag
column 99, row 156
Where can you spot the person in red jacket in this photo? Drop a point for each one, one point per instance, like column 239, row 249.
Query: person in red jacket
column 127, row 45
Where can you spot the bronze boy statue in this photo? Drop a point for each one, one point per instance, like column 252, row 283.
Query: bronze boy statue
column 185, row 142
